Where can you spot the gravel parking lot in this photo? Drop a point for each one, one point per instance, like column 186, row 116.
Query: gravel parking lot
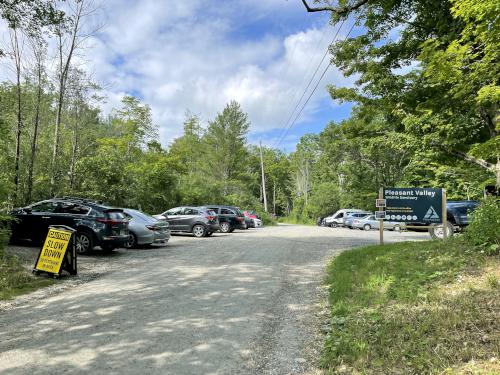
column 250, row 302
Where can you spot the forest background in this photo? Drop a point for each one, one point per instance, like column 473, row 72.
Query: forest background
column 426, row 114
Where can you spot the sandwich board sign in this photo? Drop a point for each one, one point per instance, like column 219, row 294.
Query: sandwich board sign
column 421, row 205
column 58, row 252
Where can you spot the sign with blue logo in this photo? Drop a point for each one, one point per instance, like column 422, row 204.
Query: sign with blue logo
column 420, row 205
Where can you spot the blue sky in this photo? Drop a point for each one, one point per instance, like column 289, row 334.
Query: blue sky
column 197, row 55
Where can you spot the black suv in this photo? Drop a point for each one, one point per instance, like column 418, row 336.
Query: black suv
column 96, row 224
column 230, row 218
column 200, row 221
column 458, row 214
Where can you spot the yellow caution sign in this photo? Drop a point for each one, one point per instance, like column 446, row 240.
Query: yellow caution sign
column 53, row 251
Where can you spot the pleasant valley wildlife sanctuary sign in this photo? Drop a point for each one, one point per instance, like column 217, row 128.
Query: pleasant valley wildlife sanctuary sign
column 419, row 205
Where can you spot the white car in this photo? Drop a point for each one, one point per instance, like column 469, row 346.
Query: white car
column 257, row 222
column 337, row 219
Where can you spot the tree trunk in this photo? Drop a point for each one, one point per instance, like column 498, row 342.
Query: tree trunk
column 64, row 66
column 17, row 158
column 74, row 152
column 35, row 131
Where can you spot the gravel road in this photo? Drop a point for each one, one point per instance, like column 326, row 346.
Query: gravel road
column 250, row 302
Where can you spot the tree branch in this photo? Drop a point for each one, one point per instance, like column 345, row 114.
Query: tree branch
column 480, row 162
column 339, row 11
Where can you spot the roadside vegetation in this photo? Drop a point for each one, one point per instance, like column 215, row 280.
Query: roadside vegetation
column 420, row 307
column 14, row 279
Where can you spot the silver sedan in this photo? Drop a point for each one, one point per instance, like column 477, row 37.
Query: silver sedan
column 145, row 230
column 370, row 222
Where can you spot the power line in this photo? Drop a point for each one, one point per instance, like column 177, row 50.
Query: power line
column 310, row 81
column 310, row 95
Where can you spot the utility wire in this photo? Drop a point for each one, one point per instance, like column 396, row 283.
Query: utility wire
column 309, row 83
column 304, row 77
column 310, row 95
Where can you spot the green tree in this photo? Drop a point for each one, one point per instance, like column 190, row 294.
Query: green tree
column 224, row 144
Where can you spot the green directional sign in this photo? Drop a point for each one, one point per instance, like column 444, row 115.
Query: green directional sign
column 420, row 205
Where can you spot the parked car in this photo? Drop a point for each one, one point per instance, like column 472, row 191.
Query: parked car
column 337, row 219
column 458, row 215
column 369, row 222
column 95, row 223
column 200, row 221
column 230, row 218
column 251, row 219
column 144, row 229
column 353, row 216
column 257, row 223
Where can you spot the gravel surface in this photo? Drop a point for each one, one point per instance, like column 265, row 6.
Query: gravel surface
column 250, row 302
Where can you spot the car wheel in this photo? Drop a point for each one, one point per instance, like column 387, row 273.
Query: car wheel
column 333, row 225
column 225, row 227
column 83, row 242
column 436, row 231
column 396, row 228
column 131, row 241
column 367, row 227
column 199, row 231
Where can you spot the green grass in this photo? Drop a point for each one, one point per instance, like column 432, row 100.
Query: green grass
column 293, row 220
column 414, row 308
column 16, row 279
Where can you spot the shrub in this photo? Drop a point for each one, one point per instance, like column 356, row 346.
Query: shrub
column 484, row 230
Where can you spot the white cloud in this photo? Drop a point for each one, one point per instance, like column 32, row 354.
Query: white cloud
column 199, row 55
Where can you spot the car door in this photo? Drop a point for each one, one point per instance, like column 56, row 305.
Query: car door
column 38, row 220
column 188, row 218
column 172, row 216
column 230, row 216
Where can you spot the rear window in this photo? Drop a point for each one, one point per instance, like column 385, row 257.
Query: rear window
column 141, row 215
column 115, row 215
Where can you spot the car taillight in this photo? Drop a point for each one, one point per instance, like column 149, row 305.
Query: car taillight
column 211, row 217
column 239, row 218
column 111, row 221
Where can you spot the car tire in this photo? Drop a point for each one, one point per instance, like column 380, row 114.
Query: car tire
column 367, row 227
column 333, row 225
column 225, row 227
column 132, row 241
column 436, row 231
column 84, row 242
column 199, row 231
column 396, row 228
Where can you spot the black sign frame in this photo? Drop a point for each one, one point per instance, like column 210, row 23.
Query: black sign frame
column 414, row 205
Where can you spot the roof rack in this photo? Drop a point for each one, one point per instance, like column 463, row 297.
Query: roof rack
column 78, row 199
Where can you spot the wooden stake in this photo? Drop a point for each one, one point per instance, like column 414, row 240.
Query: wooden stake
column 381, row 221
column 444, row 213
